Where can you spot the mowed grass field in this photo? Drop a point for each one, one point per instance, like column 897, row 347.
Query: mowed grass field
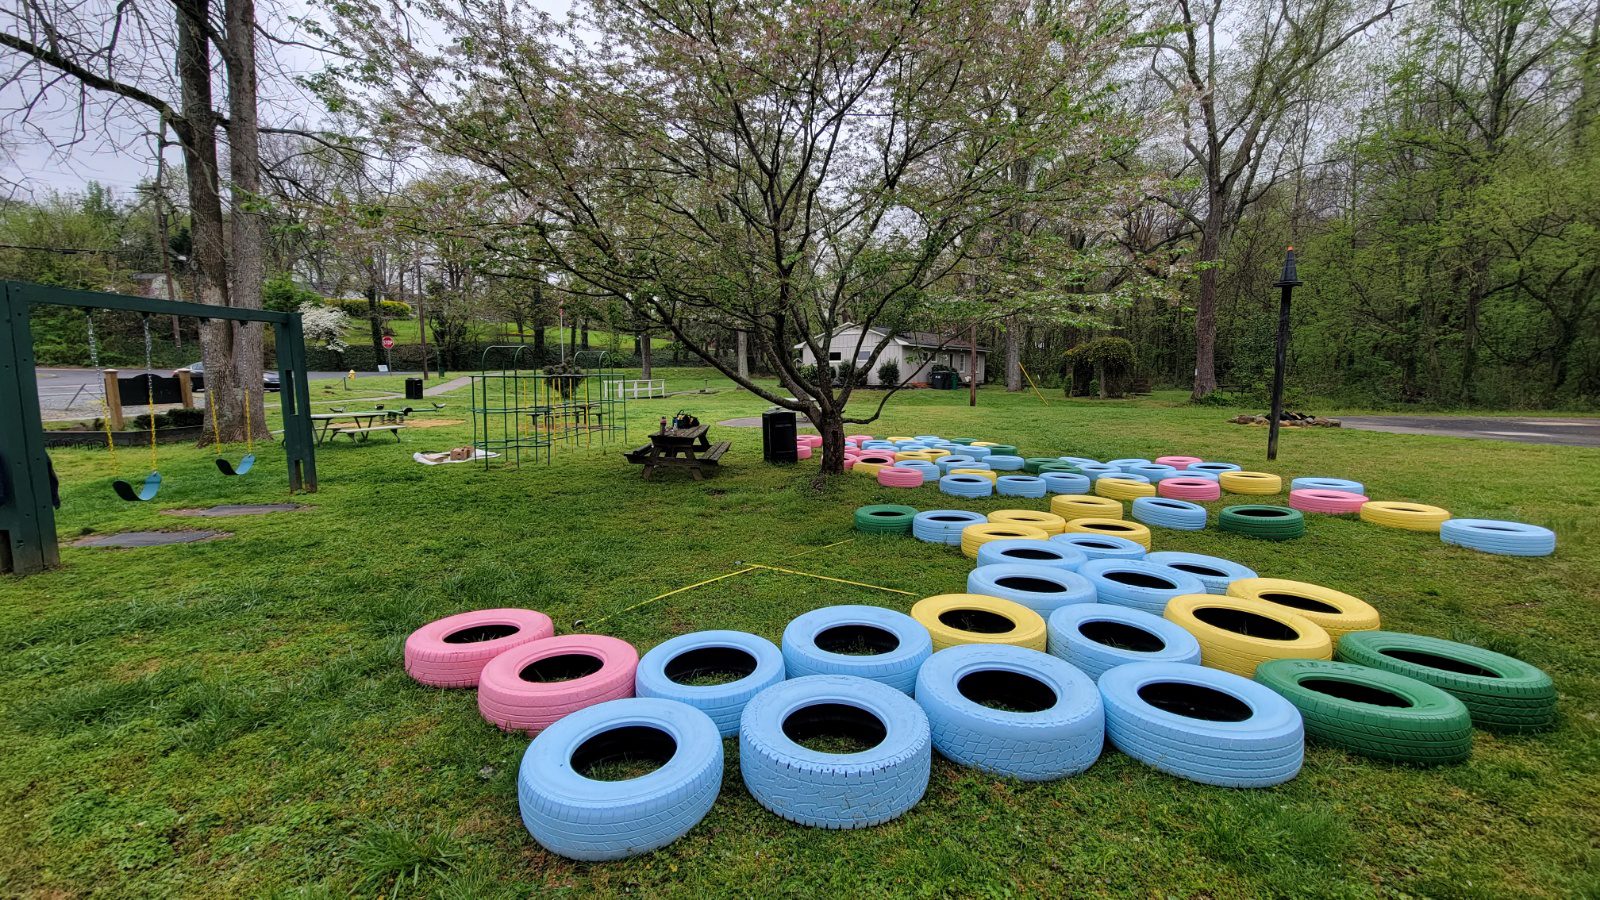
column 231, row 718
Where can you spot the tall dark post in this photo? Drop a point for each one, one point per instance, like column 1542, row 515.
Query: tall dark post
column 1288, row 281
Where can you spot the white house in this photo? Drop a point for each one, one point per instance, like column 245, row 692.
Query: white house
column 915, row 352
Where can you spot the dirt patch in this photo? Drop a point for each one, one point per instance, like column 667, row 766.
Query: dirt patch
column 433, row 423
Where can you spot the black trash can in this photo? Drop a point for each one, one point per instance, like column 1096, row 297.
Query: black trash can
column 778, row 435
column 413, row 388
column 943, row 380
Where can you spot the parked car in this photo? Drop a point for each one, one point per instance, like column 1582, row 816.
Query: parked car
column 197, row 377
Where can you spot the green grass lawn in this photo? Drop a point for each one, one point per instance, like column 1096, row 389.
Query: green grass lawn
column 231, row 718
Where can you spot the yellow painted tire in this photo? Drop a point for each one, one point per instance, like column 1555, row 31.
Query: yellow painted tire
column 1338, row 613
column 955, row 619
column 1084, row 506
column 1121, row 528
column 1049, row 523
column 1122, row 489
column 1236, row 634
column 870, row 469
column 984, row 472
column 934, row 453
column 913, row 454
column 898, row 438
column 1250, row 482
column 1410, row 516
column 975, row 536
column 983, row 444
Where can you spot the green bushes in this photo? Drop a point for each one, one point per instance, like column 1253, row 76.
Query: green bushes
column 357, row 308
column 1108, row 362
column 889, row 373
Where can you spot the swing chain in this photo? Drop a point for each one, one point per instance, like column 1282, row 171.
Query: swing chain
column 150, row 388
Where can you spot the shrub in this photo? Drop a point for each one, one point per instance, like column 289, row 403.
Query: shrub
column 889, row 373
column 1106, row 361
column 185, row 417
column 357, row 308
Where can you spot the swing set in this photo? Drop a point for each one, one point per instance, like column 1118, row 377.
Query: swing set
column 27, row 518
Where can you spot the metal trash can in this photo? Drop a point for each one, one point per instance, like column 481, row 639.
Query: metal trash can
column 778, row 433
column 413, row 388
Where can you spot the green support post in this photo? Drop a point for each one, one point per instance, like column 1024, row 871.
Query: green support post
column 27, row 518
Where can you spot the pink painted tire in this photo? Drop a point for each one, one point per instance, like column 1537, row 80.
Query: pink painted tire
column 1189, row 489
column 894, row 476
column 452, row 651
column 1178, row 462
column 858, row 438
column 531, row 687
column 1336, row 503
column 810, row 440
column 802, row 451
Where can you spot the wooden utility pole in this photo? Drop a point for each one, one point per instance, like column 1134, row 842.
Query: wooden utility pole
column 422, row 317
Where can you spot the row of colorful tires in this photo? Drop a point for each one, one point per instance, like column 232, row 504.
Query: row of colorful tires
column 1072, row 513
column 1164, row 490
column 846, row 673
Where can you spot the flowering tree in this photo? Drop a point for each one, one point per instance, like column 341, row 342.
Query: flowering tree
column 324, row 325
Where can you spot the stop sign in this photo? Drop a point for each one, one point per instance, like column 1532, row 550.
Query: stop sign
column 388, row 342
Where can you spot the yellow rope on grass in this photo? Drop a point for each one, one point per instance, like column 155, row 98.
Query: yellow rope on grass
column 1031, row 384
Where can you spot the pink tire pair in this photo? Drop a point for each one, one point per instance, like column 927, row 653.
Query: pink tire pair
column 1332, row 502
column 451, row 652
column 1189, row 489
column 802, row 451
column 893, row 476
column 858, row 438
column 810, row 440
column 529, row 688
column 1178, row 462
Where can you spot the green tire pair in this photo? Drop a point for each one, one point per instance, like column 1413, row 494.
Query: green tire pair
column 1272, row 523
column 1003, row 450
column 1056, row 466
column 885, row 518
column 1373, row 712
column 1502, row 693
column 1033, row 465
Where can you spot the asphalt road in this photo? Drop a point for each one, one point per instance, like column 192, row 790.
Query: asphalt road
column 1574, row 432
column 65, row 393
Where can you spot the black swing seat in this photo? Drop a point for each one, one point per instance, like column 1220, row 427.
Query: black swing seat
column 152, row 484
column 244, row 467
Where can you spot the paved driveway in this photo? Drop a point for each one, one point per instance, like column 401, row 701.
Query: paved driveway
column 1575, row 432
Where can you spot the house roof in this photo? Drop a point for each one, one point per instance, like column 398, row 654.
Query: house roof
column 922, row 340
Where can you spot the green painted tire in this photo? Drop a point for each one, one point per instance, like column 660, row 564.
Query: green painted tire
column 1003, row 450
column 1373, row 712
column 885, row 518
column 1501, row 693
column 962, row 440
column 1034, row 464
column 1272, row 523
column 1057, row 466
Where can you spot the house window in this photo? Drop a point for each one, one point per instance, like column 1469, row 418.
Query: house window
column 835, row 357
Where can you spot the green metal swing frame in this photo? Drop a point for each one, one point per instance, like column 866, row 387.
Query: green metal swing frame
column 27, row 518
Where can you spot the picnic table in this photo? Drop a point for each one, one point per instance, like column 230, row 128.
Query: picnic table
column 364, row 423
column 687, row 448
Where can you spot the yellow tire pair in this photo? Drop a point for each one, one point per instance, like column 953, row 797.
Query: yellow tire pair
column 1250, row 482
column 1049, row 523
column 1083, row 506
column 1410, row 516
column 984, row 444
column 984, row 472
column 869, row 469
column 933, row 452
column 912, row 454
column 975, row 536
column 898, row 438
column 1236, row 634
column 954, row 619
column 1123, row 488
column 1133, row 531
column 1335, row 612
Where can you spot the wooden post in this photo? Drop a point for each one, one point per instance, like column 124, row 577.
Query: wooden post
column 114, row 400
column 185, row 388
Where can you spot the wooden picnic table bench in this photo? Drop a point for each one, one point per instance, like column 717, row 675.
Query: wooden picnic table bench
column 393, row 428
column 686, row 448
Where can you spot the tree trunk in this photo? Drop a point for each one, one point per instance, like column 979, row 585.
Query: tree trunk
column 375, row 318
column 209, row 263
column 584, row 341
column 538, row 342
column 1100, row 378
column 832, row 428
column 1205, row 307
column 742, row 347
column 1013, row 355
column 644, row 355
column 244, row 169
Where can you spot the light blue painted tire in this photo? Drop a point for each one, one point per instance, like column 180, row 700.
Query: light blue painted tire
column 928, row 438
column 1215, row 468
column 946, row 463
column 1328, row 484
column 1201, row 474
column 1165, row 512
column 1128, row 461
column 1006, row 463
column 968, row 486
column 1065, row 483
column 979, row 453
column 1102, row 546
column 1080, row 461
column 1262, row 746
column 1095, row 469
column 1060, row 736
column 895, row 666
column 584, row 819
column 1154, row 472
column 834, row 790
column 1504, row 538
column 1019, row 486
column 1097, row 637
column 1042, row 589
column 1138, row 583
column 1118, row 473
column 1030, row 552
column 930, row 472
column 1214, row 572
column 943, row 526
column 690, row 654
